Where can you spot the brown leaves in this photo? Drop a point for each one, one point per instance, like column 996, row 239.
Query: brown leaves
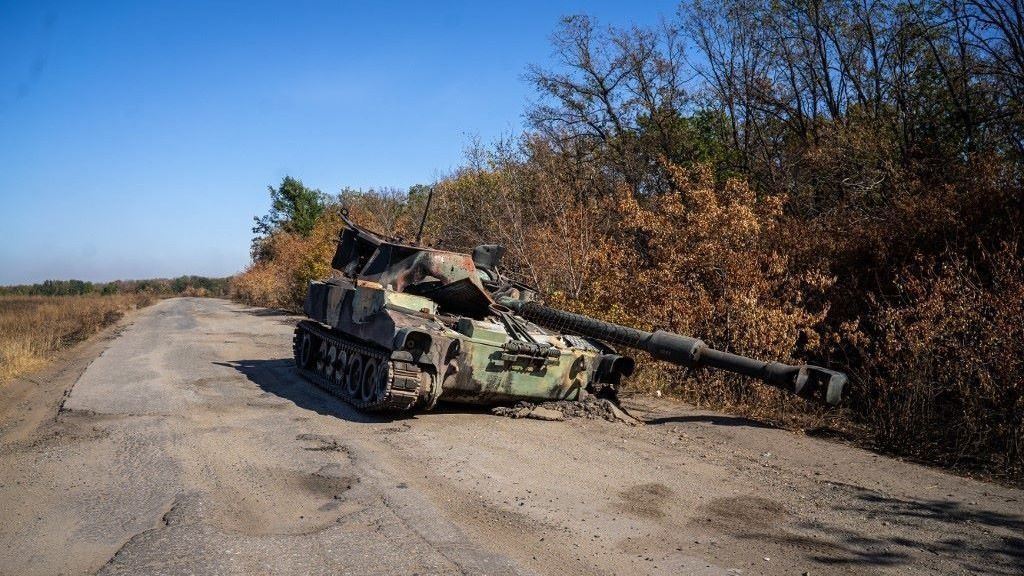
column 947, row 362
column 282, row 281
column 702, row 262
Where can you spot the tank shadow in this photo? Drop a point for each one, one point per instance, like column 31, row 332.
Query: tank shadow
column 457, row 408
column 265, row 312
column 279, row 377
column 717, row 420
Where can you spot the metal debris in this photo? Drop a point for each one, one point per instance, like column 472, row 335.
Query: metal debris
column 590, row 407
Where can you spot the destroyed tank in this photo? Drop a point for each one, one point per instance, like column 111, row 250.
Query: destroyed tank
column 401, row 326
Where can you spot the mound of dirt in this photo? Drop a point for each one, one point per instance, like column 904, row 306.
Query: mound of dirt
column 590, row 407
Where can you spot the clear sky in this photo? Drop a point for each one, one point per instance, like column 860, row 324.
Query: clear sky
column 137, row 139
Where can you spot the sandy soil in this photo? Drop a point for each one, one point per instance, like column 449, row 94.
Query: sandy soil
column 182, row 442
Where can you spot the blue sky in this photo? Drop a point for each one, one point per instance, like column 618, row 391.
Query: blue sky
column 137, row 139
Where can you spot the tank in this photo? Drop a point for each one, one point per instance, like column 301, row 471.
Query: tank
column 401, row 326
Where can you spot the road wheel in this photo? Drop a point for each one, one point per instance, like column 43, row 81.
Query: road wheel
column 382, row 378
column 353, row 375
column 368, row 389
column 332, row 356
column 321, row 358
column 306, row 351
column 340, row 364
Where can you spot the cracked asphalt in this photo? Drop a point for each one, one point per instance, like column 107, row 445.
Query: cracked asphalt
column 183, row 442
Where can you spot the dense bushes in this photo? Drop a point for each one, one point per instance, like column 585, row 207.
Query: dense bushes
column 942, row 378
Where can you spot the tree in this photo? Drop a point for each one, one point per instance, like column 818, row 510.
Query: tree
column 615, row 97
column 294, row 208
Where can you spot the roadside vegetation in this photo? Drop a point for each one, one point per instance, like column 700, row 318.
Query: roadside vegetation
column 156, row 287
column 33, row 328
column 38, row 320
column 832, row 182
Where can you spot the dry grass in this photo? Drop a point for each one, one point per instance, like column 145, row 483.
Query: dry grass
column 33, row 328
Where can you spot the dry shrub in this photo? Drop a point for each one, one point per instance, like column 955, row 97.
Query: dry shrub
column 387, row 211
column 700, row 261
column 543, row 210
column 192, row 291
column 281, row 280
column 32, row 328
column 944, row 374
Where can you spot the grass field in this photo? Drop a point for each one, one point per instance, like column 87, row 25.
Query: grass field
column 33, row 328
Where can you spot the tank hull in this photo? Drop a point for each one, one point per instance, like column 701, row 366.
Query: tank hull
column 353, row 325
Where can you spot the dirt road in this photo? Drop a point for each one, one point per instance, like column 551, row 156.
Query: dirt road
column 189, row 445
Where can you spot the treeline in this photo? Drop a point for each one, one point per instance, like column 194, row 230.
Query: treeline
column 180, row 286
column 838, row 182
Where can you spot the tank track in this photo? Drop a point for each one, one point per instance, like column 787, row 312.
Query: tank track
column 397, row 385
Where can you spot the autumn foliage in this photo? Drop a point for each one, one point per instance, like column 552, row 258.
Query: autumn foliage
column 280, row 278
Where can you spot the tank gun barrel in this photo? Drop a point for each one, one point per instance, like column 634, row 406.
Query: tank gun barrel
column 812, row 382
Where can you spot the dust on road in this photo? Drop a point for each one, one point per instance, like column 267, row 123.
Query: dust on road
column 190, row 446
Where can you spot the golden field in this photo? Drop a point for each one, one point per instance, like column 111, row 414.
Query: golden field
column 33, row 328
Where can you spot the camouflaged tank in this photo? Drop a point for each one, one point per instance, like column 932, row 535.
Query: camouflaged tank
column 402, row 326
